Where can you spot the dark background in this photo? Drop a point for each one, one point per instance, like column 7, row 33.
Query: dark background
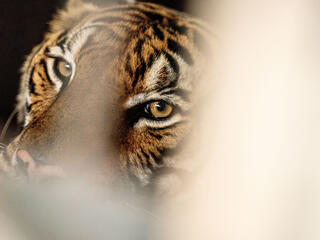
column 22, row 25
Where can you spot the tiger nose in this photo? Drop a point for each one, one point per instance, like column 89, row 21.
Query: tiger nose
column 12, row 164
column 6, row 168
column 35, row 171
column 22, row 165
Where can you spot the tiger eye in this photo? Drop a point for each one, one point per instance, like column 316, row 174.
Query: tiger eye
column 63, row 69
column 160, row 109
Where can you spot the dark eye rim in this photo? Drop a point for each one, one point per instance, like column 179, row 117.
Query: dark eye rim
column 57, row 60
column 135, row 113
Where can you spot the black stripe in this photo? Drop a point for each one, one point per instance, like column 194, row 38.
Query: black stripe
column 137, row 16
column 62, row 39
column 62, row 43
column 28, row 107
column 128, row 67
column 167, row 151
column 140, row 71
column 34, row 103
column 168, row 134
column 63, row 35
column 180, row 50
column 31, row 83
column 140, row 159
column 149, row 5
column 151, row 59
column 157, row 159
column 134, row 163
column 158, row 33
column 153, row 16
column 47, row 51
column 147, row 157
column 180, row 29
column 44, row 64
column 42, row 78
column 157, row 136
column 137, row 49
column 150, row 166
column 173, row 63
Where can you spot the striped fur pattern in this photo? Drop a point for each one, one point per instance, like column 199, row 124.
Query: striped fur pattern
column 158, row 55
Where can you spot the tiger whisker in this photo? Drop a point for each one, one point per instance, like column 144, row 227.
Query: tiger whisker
column 7, row 124
column 134, row 208
column 2, row 148
column 2, row 145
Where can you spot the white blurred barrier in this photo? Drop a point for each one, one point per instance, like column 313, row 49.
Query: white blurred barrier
column 261, row 136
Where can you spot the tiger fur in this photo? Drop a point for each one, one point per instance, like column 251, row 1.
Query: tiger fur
column 109, row 93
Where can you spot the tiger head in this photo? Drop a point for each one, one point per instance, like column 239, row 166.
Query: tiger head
column 108, row 94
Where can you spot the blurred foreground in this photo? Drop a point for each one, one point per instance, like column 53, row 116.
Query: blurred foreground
column 260, row 134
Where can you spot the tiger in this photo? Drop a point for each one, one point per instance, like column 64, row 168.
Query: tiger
column 108, row 96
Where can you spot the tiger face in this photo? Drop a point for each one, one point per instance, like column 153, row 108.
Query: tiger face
column 108, row 94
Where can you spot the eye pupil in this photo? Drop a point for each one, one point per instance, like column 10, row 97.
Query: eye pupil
column 159, row 109
column 63, row 69
column 68, row 66
column 161, row 106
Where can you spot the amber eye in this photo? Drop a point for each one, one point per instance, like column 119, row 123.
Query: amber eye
column 62, row 69
column 160, row 109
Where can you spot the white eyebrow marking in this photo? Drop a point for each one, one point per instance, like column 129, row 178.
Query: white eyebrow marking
column 141, row 98
column 154, row 75
column 152, row 80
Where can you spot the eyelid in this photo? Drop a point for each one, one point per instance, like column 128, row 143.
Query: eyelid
column 168, row 101
column 55, row 56
column 49, row 52
column 144, row 98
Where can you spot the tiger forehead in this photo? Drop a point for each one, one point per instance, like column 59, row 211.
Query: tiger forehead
column 144, row 30
column 139, row 33
column 124, row 19
column 156, row 60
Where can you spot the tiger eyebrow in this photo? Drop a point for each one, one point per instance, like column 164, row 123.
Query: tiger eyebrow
column 146, row 97
column 69, row 43
column 136, row 100
column 55, row 51
column 184, row 94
